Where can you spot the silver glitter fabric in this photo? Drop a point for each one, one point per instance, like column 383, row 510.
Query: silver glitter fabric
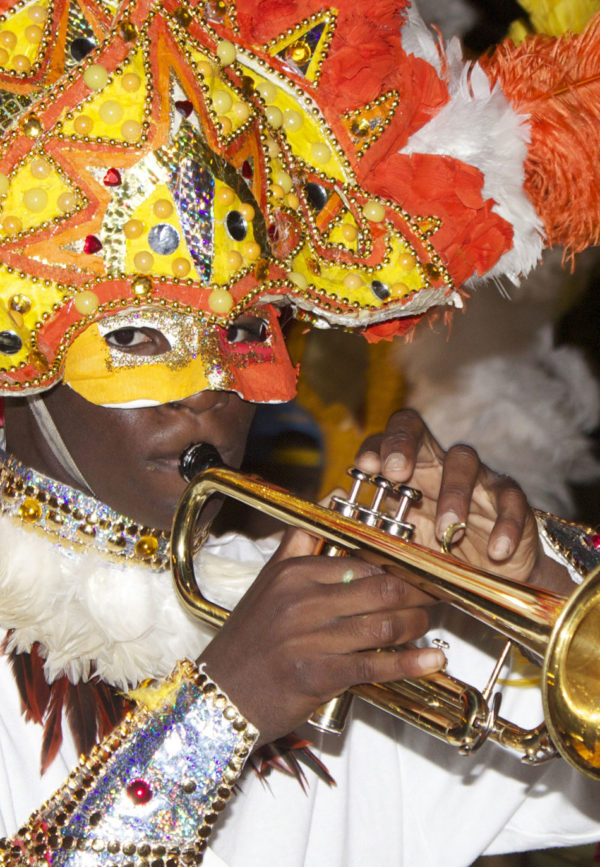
column 153, row 787
column 579, row 546
column 53, row 508
column 193, row 188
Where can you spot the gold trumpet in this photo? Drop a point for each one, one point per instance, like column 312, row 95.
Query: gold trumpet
column 562, row 633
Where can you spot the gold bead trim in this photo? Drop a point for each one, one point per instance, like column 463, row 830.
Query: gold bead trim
column 44, row 833
column 54, row 509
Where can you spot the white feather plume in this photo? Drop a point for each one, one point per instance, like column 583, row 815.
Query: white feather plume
column 123, row 622
column 479, row 126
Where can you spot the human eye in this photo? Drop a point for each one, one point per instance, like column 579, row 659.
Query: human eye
column 247, row 329
column 138, row 341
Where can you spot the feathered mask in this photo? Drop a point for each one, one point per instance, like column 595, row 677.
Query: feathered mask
column 189, row 168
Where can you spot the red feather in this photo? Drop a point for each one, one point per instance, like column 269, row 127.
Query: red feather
column 285, row 755
column 81, row 714
column 92, row 709
column 53, row 723
column 28, row 671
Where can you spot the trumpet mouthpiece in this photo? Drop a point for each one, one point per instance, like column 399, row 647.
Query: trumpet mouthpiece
column 198, row 457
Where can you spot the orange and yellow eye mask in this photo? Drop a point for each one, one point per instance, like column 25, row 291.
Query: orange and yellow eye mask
column 151, row 355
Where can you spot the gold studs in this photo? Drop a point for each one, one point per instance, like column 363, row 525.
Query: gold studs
column 32, row 126
column 183, row 16
column 20, row 303
column 116, row 543
column 146, row 546
column 141, row 286
column 432, row 271
column 30, row 510
column 127, row 30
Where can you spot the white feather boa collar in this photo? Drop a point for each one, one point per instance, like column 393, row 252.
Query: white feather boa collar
column 123, row 622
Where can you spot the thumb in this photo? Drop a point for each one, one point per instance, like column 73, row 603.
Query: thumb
column 295, row 543
column 299, row 543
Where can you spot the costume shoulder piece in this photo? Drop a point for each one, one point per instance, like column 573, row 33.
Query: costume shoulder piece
column 185, row 162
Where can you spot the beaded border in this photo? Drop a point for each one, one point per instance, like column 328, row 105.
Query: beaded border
column 58, row 510
column 46, row 832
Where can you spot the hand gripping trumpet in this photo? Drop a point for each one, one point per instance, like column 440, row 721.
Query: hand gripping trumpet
column 563, row 634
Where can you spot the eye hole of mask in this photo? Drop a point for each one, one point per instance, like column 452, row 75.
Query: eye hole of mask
column 138, row 341
column 247, row 329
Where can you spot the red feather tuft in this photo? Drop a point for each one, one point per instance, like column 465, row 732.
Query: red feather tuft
column 286, row 754
column 53, row 723
column 28, row 671
column 80, row 709
column 92, row 709
column 557, row 83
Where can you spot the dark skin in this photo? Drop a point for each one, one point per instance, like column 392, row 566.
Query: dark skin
column 300, row 635
column 129, row 457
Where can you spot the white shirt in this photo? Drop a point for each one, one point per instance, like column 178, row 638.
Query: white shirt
column 402, row 798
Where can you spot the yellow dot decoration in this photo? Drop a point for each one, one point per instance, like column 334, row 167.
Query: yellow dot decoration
column 95, row 76
column 86, row 302
column 143, row 261
column 226, row 52
column 35, row 199
column 374, row 212
column 220, row 301
column 133, row 229
column 111, row 112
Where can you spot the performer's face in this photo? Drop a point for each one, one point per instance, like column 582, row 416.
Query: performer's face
column 129, row 457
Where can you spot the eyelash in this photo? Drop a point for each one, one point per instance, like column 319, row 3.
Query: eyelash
column 134, row 332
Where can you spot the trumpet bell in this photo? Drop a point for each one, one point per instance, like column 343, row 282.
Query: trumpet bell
column 571, row 679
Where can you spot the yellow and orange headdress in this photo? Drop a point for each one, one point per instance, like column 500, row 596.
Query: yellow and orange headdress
column 174, row 166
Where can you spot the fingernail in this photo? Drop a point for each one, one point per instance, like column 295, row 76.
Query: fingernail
column 396, row 463
column 501, row 548
column 369, row 461
column 430, row 660
column 445, row 521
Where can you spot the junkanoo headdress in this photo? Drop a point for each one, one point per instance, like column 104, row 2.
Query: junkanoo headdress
column 194, row 161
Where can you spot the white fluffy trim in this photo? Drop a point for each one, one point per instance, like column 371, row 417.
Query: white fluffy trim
column 124, row 622
column 479, row 126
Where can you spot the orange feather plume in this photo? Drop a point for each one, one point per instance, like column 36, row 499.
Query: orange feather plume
column 557, row 83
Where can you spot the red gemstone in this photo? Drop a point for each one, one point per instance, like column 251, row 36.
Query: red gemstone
column 184, row 107
column 247, row 171
column 273, row 231
column 92, row 244
column 139, row 791
column 595, row 541
column 112, row 178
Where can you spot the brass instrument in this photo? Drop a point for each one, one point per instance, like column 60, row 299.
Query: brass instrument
column 562, row 633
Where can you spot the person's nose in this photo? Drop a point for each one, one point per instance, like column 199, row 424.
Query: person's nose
column 202, row 401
